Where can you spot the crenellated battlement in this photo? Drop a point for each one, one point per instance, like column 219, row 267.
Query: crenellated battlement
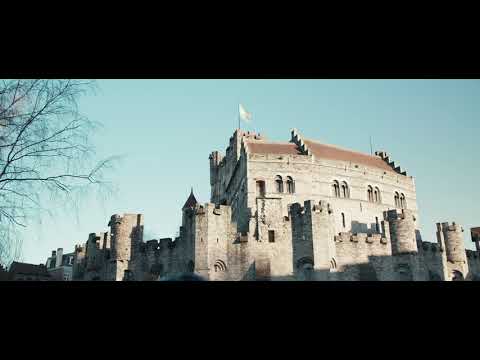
column 311, row 207
column 347, row 237
column 444, row 227
column 451, row 236
column 385, row 157
column 402, row 231
column 431, row 247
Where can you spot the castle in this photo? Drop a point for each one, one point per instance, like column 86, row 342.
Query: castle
column 297, row 210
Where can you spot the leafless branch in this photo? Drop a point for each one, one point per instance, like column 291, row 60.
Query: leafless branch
column 45, row 148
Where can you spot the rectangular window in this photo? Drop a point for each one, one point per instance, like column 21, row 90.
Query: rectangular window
column 261, row 188
column 271, row 236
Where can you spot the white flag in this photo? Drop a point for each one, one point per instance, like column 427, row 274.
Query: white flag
column 244, row 114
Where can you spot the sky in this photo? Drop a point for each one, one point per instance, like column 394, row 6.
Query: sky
column 164, row 131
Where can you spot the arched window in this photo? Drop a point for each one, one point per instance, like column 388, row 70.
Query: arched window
column 397, row 199
column 345, row 192
column 403, row 202
column 279, row 183
column 343, row 219
column 370, row 193
column 333, row 265
column 336, row 188
column 376, row 195
column 220, row 266
column 290, row 185
column 457, row 276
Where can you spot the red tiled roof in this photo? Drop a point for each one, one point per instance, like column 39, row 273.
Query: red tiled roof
column 324, row 151
column 321, row 151
column 272, row 148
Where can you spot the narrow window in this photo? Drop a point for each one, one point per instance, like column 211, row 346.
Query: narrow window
column 403, row 203
column 260, row 188
column 271, row 236
column 336, row 189
column 397, row 199
column 377, row 195
column 376, row 224
column 345, row 192
column 290, row 185
column 343, row 219
column 279, row 184
column 370, row 193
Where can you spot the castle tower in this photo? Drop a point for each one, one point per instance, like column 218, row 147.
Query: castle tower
column 408, row 265
column 78, row 263
column 215, row 159
column 402, row 232
column 313, row 231
column 94, row 255
column 126, row 237
column 450, row 238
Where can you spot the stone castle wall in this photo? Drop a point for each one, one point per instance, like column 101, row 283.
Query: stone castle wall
column 308, row 234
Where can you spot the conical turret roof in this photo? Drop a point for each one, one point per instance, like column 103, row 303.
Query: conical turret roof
column 191, row 201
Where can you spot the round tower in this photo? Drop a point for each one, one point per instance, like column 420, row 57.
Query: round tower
column 126, row 235
column 454, row 245
column 120, row 247
column 402, row 232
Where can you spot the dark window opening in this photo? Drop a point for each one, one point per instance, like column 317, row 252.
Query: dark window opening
column 290, row 185
column 336, row 189
column 403, row 202
column 370, row 194
column 279, row 184
column 260, row 188
column 271, row 236
column 345, row 191
column 397, row 199
column 376, row 224
column 343, row 219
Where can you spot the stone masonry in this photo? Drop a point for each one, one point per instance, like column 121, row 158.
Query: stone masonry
column 297, row 210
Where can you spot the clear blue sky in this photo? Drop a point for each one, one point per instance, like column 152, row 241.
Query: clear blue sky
column 167, row 128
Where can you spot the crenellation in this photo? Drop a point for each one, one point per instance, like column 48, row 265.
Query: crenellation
column 297, row 210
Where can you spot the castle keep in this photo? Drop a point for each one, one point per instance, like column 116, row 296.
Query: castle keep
column 297, row 210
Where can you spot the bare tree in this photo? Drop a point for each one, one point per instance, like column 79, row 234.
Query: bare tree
column 45, row 150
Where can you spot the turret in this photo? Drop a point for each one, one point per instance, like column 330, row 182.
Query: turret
column 126, row 234
column 452, row 238
column 402, row 231
column 313, row 232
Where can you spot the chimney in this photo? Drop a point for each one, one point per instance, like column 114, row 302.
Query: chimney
column 59, row 257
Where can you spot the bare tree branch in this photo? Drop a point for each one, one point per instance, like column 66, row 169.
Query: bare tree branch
column 45, row 148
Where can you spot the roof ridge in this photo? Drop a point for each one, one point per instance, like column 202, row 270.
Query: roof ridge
column 271, row 142
column 340, row 148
